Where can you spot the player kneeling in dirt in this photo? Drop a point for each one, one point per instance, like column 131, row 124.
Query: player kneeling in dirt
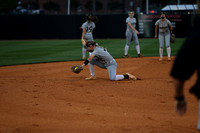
column 103, row 59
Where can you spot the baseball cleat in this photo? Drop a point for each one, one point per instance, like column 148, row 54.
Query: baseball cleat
column 140, row 55
column 84, row 58
column 127, row 56
column 131, row 76
column 169, row 59
column 91, row 78
column 160, row 59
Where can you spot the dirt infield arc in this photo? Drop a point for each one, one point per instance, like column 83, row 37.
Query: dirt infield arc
column 49, row 98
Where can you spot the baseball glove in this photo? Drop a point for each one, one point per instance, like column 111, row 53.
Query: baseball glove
column 84, row 41
column 76, row 69
column 172, row 38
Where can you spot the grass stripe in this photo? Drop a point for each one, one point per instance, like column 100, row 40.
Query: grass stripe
column 14, row 52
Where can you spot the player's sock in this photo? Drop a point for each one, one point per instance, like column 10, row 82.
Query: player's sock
column 169, row 51
column 126, row 50
column 126, row 76
column 138, row 49
column 91, row 66
column 83, row 52
column 119, row 77
column 161, row 52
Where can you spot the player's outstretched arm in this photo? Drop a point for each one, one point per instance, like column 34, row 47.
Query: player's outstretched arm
column 88, row 60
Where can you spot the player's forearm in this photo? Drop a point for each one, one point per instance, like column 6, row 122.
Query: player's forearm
column 171, row 28
column 129, row 24
column 156, row 31
column 178, row 84
column 133, row 28
column 88, row 60
column 180, row 103
column 83, row 34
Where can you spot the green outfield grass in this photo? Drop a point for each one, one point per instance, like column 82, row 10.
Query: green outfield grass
column 16, row 52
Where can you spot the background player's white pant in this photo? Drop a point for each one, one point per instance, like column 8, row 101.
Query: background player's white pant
column 164, row 39
column 88, row 37
column 131, row 35
column 83, row 52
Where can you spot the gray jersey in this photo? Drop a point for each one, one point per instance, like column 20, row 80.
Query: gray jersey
column 89, row 27
column 102, row 55
column 132, row 21
column 163, row 26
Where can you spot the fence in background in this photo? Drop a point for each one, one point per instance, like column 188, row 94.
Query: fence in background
column 68, row 26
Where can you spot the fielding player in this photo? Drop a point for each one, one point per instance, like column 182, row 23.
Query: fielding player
column 131, row 34
column 164, row 35
column 103, row 59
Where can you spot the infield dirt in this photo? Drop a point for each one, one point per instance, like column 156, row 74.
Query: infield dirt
column 49, row 98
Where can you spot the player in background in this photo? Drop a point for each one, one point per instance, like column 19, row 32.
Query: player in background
column 164, row 35
column 103, row 59
column 87, row 29
column 131, row 34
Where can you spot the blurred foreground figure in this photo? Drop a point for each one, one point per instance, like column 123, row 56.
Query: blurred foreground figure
column 185, row 65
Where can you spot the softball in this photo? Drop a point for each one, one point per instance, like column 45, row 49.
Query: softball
column 75, row 68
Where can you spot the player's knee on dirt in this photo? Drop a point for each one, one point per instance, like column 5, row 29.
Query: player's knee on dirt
column 113, row 78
